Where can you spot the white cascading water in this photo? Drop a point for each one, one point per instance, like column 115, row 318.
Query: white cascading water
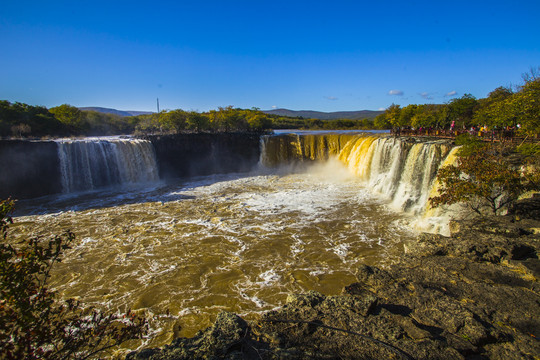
column 405, row 173
column 89, row 164
column 386, row 166
column 402, row 171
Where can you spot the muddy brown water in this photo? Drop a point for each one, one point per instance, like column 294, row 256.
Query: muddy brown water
column 182, row 253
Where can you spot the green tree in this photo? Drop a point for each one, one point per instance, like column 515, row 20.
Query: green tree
column 197, row 121
column 495, row 110
column 173, row 121
column 107, row 124
column 228, row 119
column 531, row 75
column 406, row 114
column 21, row 116
column 69, row 116
column 217, row 120
column 499, row 94
column 236, row 119
column 424, row 116
column 147, row 124
column 430, row 116
column 482, row 180
column 33, row 323
column 258, row 120
column 393, row 115
column 314, row 123
column 461, row 110
column 525, row 105
column 381, row 122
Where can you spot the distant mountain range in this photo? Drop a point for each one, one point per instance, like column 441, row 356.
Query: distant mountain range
column 360, row 114
column 115, row 112
column 307, row 114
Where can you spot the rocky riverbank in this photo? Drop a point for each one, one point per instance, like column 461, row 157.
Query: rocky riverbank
column 473, row 295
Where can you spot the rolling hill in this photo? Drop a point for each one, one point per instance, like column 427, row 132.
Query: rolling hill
column 360, row 114
column 115, row 112
column 307, row 114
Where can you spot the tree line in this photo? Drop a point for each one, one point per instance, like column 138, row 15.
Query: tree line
column 503, row 108
column 227, row 119
column 23, row 120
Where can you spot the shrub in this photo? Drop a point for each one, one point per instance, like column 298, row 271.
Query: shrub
column 482, row 179
column 33, row 323
column 529, row 149
column 469, row 144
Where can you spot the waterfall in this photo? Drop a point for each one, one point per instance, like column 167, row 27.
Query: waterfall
column 401, row 170
column 290, row 148
column 89, row 164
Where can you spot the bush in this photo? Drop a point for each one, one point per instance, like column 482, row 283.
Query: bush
column 469, row 144
column 33, row 323
column 529, row 149
column 481, row 179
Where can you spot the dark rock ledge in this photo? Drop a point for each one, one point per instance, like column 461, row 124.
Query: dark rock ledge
column 473, row 295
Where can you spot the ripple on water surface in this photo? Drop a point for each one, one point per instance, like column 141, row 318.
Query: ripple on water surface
column 184, row 253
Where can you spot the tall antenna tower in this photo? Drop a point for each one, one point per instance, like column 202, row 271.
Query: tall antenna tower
column 158, row 105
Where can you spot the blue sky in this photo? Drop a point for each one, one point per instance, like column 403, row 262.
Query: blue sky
column 316, row 55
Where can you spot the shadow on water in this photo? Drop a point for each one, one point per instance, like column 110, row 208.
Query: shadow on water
column 163, row 191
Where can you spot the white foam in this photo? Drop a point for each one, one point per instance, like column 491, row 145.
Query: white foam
column 341, row 250
column 269, row 277
column 319, row 271
column 87, row 240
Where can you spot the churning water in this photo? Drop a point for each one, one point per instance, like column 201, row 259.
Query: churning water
column 183, row 252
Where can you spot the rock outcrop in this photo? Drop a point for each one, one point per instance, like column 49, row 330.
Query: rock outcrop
column 29, row 169
column 187, row 155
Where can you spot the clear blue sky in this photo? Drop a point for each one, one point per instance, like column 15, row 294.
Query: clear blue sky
column 316, row 55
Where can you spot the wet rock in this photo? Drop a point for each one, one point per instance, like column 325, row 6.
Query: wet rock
column 526, row 208
column 362, row 305
column 311, row 298
column 413, row 329
column 372, row 277
column 221, row 341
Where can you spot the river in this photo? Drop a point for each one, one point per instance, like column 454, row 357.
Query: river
column 180, row 251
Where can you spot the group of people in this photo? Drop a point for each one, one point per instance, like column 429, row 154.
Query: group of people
column 494, row 133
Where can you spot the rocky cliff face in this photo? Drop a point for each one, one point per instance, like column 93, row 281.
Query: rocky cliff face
column 29, row 169
column 185, row 155
column 473, row 295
